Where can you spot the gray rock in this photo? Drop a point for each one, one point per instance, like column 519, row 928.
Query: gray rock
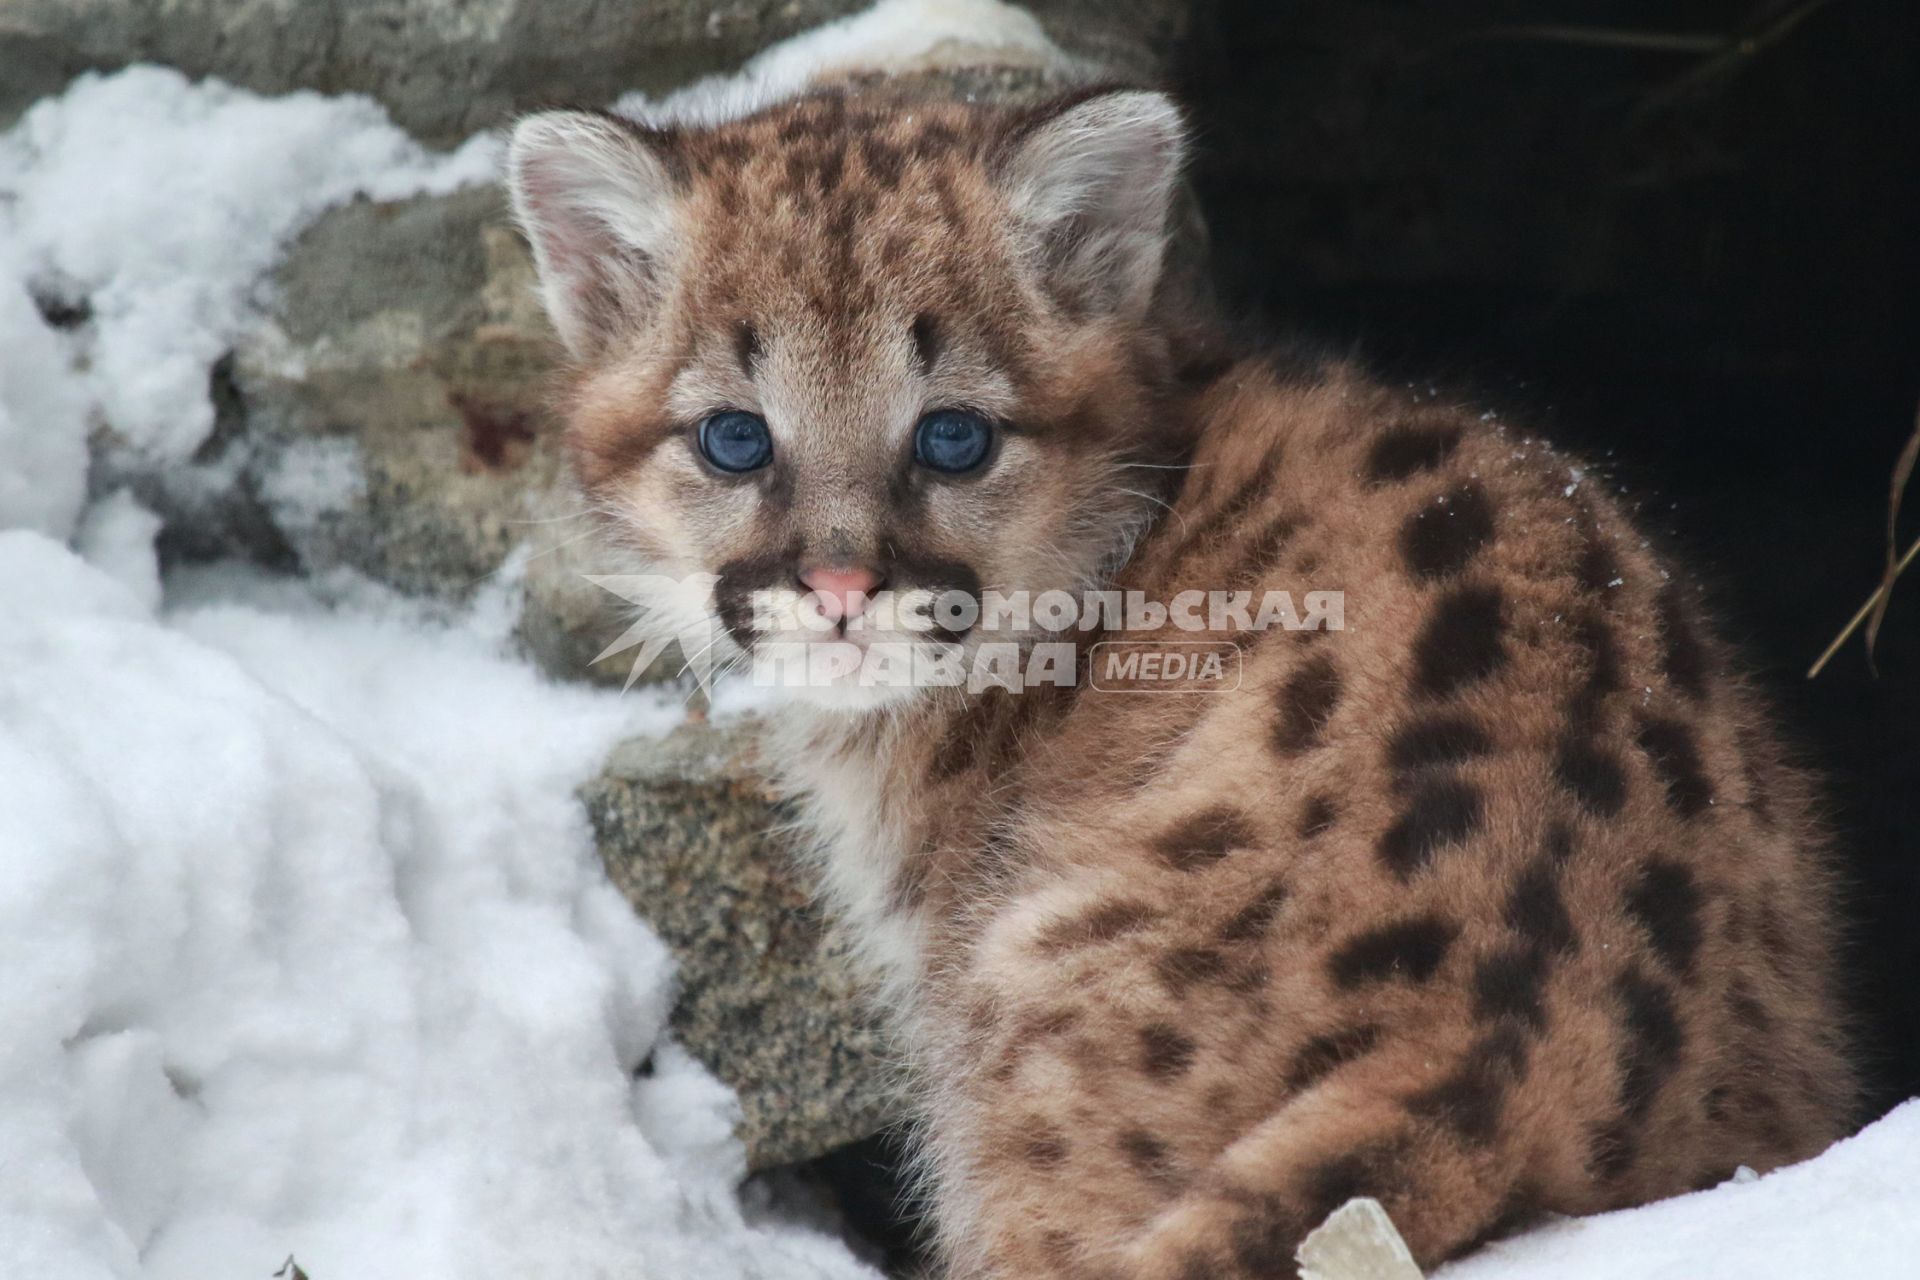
column 407, row 349
column 446, row 68
column 767, row 998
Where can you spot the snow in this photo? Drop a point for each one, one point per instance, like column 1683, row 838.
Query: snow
column 308, row 951
column 893, row 36
column 165, row 229
column 43, row 409
column 307, row 947
column 1852, row 1213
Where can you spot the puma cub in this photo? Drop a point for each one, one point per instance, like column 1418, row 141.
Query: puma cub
column 1496, row 898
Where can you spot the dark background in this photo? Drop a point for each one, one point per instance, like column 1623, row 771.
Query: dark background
column 1695, row 264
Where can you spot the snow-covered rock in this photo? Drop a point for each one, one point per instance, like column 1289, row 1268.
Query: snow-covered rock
column 445, row 68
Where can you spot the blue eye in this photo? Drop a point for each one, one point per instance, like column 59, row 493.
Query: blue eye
column 736, row 441
column 952, row 440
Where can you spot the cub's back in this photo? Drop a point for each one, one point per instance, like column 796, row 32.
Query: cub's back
column 1506, row 882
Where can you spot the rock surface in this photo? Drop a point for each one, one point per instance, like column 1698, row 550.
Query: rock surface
column 767, row 999
column 446, row 68
column 408, row 350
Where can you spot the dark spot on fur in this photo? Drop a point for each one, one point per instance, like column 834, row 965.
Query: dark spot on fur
column 1365, row 1171
column 1029, row 1033
column 1442, row 537
column 1754, row 773
column 908, row 890
column 1612, row 1150
column 737, row 582
column 1203, row 839
column 1149, row 1157
column 1102, row 924
column 1746, row 1009
column 926, row 341
column 832, row 167
column 1510, row 984
column 1439, row 741
column 1520, row 1209
column 1471, row 1100
column 1537, row 911
column 1558, row 843
column 1683, row 656
column 1252, row 921
column 1461, row 642
column 1773, row 926
column 1653, row 1040
column 1165, row 1054
column 1045, row 1147
column 884, row 162
column 1604, row 672
column 1592, row 775
column 1306, row 701
column 746, row 347
column 1318, row 817
column 1203, row 535
column 1264, row 1238
column 1411, row 949
column 1440, row 812
column 1324, row 1054
column 971, row 736
column 1675, row 757
column 1261, row 551
column 1599, row 568
column 1666, row 902
column 1197, row 1265
column 1185, row 967
column 1061, row 1248
column 1401, row 453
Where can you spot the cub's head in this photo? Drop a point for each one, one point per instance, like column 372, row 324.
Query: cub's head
column 850, row 353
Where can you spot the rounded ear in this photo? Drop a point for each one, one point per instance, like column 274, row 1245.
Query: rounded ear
column 1091, row 185
column 597, row 200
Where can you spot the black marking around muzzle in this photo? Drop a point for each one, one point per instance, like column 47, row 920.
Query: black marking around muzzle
column 936, row 577
column 740, row 580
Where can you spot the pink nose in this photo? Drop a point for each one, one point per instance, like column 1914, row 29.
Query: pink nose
column 843, row 591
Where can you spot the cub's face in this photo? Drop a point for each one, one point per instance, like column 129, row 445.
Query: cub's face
column 843, row 358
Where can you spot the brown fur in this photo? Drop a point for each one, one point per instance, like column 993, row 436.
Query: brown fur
column 1500, row 901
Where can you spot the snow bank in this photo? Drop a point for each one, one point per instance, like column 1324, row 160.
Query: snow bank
column 43, row 408
column 308, row 951
column 894, row 37
column 1851, row 1214
column 153, row 207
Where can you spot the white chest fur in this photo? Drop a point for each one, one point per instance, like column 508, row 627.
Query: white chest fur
column 857, row 828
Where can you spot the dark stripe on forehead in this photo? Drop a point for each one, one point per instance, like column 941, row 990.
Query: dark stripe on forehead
column 747, row 348
column 926, row 341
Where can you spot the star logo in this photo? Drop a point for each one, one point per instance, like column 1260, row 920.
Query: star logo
column 670, row 611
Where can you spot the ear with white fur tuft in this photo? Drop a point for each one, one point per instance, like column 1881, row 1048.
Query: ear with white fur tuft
column 1092, row 185
column 598, row 203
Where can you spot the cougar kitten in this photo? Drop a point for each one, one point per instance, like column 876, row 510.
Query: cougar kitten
column 1499, row 899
